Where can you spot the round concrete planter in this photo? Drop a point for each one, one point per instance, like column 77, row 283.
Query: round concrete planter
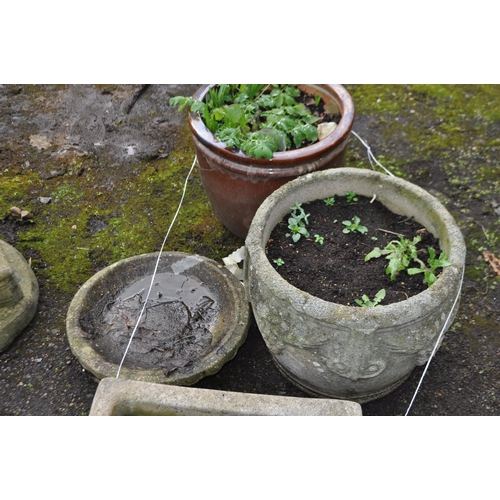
column 18, row 294
column 345, row 352
column 236, row 184
column 228, row 331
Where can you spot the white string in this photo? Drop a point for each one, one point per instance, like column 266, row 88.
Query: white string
column 372, row 159
column 438, row 342
column 156, row 268
column 371, row 156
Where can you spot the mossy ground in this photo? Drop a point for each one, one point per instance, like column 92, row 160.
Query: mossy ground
column 84, row 229
column 444, row 138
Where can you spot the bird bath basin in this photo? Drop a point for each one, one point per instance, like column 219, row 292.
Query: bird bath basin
column 195, row 319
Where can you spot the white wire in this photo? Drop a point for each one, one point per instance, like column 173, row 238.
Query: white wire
column 372, row 159
column 371, row 156
column 156, row 269
column 437, row 343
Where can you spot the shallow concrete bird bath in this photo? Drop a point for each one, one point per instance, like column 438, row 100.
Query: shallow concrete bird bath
column 196, row 318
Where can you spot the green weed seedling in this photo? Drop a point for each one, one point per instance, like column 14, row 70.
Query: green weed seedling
column 366, row 302
column 329, row 201
column 430, row 270
column 399, row 253
column 354, row 225
column 351, row 196
column 279, row 262
column 297, row 223
column 319, row 239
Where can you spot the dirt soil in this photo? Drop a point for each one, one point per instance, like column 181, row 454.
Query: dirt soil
column 334, row 268
column 100, row 169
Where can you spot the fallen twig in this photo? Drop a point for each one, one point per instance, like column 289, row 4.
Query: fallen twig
column 390, row 232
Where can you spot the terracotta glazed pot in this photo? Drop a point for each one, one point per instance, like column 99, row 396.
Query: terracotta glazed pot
column 236, row 185
column 344, row 352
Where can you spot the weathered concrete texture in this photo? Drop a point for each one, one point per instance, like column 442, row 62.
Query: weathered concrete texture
column 18, row 294
column 338, row 351
column 118, row 397
column 228, row 332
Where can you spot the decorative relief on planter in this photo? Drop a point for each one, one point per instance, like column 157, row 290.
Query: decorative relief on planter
column 341, row 351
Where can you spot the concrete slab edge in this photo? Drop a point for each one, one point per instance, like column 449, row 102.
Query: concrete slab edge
column 120, row 397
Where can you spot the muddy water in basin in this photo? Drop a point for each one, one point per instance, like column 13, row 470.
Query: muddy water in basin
column 175, row 328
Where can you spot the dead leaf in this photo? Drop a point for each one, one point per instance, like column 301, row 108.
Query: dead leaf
column 493, row 261
column 172, row 364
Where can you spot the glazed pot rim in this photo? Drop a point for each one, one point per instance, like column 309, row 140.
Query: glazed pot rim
column 430, row 297
column 341, row 133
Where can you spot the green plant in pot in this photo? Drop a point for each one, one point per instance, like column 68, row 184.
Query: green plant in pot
column 347, row 351
column 250, row 139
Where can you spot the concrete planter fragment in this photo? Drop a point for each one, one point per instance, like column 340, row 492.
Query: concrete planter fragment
column 227, row 330
column 118, row 397
column 346, row 352
column 18, row 294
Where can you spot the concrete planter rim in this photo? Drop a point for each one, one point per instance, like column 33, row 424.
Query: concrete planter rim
column 255, row 244
column 208, row 364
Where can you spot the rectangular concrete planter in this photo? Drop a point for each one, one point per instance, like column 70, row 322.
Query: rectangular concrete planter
column 121, row 397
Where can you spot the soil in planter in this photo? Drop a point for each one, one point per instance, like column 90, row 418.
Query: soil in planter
column 174, row 330
column 319, row 110
column 336, row 271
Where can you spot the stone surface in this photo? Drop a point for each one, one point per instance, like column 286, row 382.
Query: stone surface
column 228, row 333
column 18, row 294
column 338, row 351
column 115, row 397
